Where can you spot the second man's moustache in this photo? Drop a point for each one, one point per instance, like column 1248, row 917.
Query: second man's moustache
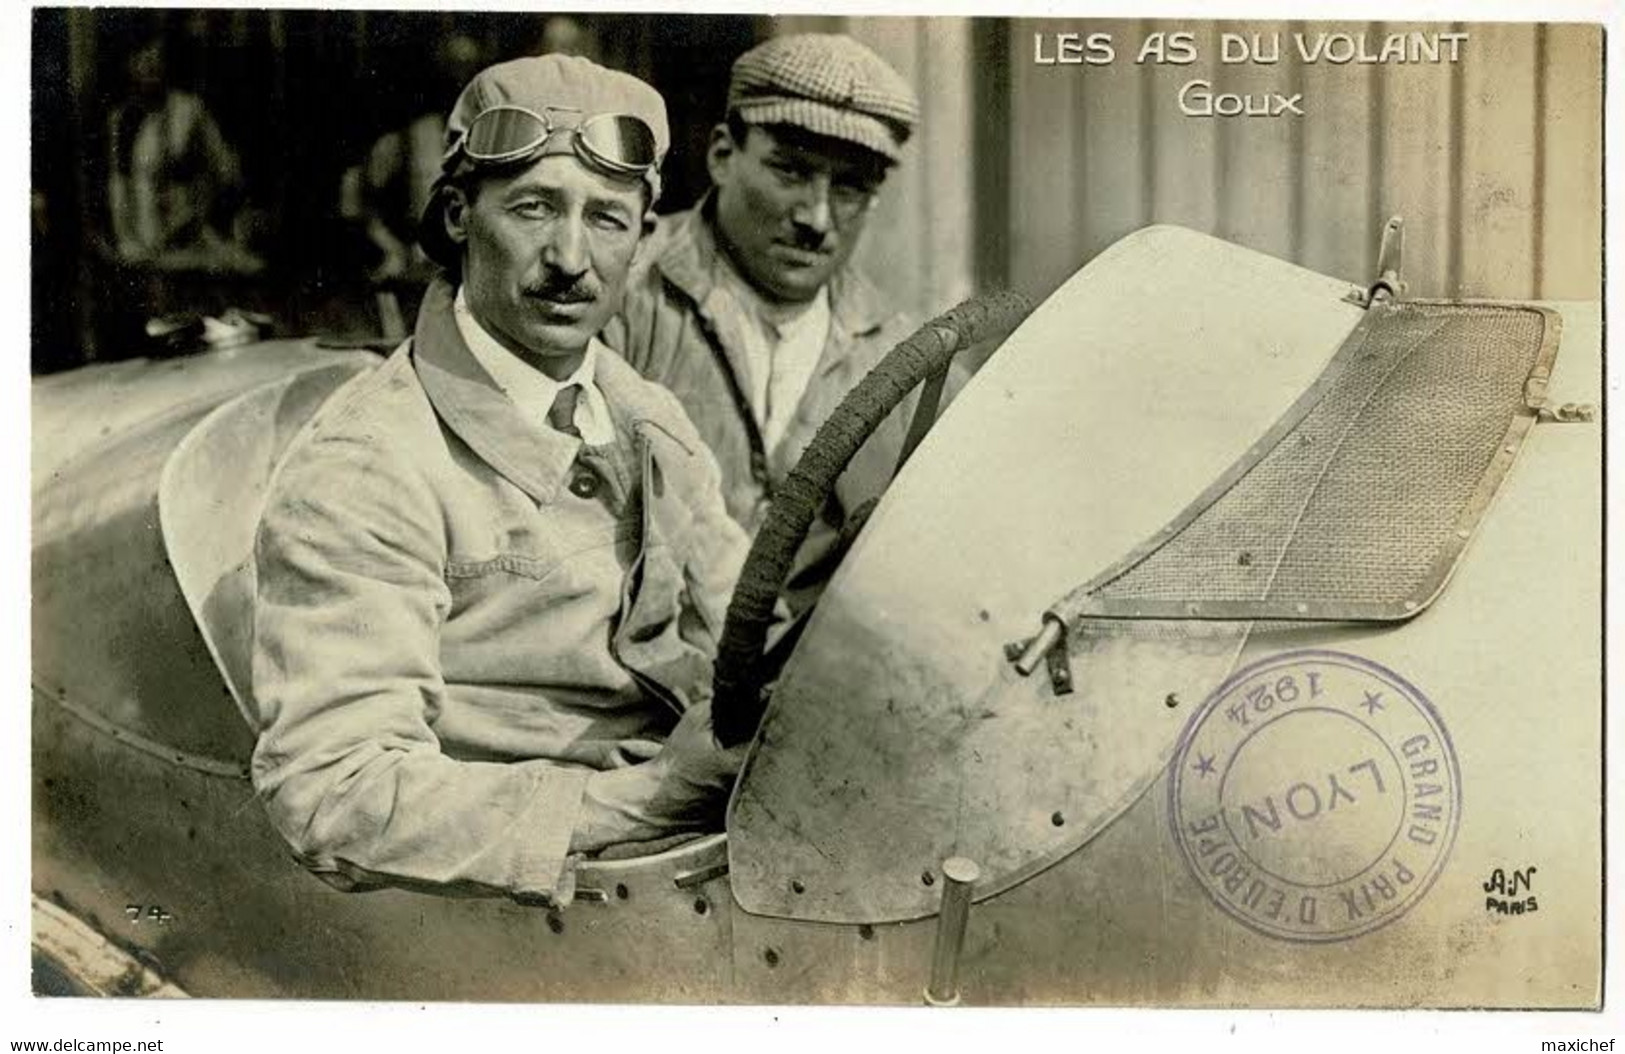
column 563, row 294
column 809, row 241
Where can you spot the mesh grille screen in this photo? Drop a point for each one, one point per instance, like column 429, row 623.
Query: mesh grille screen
column 1357, row 502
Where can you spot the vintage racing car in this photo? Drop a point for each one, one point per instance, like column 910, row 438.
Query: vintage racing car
column 1233, row 638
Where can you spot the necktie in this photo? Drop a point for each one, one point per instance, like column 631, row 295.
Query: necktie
column 562, row 414
column 584, row 482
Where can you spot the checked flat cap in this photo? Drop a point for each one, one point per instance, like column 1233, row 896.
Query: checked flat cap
column 827, row 84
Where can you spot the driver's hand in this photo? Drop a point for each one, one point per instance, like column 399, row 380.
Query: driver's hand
column 683, row 787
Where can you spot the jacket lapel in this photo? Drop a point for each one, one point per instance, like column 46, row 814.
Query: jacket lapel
column 535, row 459
column 856, row 311
column 688, row 261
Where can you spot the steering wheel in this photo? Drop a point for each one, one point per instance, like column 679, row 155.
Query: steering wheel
column 738, row 701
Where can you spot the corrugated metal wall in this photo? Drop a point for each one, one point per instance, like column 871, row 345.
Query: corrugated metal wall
column 1494, row 161
column 1022, row 171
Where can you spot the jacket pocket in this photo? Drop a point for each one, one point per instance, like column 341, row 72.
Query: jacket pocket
column 549, row 565
column 532, row 567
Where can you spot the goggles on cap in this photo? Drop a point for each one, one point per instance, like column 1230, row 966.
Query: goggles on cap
column 616, row 143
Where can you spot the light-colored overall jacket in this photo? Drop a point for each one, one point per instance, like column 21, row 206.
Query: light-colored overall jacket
column 462, row 613
column 668, row 328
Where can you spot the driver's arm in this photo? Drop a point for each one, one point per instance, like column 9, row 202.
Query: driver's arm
column 351, row 599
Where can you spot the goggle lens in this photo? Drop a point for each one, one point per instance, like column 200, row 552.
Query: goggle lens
column 619, row 140
column 505, row 132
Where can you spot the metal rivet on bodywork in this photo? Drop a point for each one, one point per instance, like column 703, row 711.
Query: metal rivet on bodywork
column 1057, row 819
column 928, row 878
column 770, row 956
column 797, row 886
column 1172, row 701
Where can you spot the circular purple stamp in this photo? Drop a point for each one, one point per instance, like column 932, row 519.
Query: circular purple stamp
column 1315, row 795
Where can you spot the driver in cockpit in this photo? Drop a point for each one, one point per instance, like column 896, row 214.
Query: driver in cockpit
column 492, row 572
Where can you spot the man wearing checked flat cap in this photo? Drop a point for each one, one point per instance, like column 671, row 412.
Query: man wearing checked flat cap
column 747, row 307
column 492, row 572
